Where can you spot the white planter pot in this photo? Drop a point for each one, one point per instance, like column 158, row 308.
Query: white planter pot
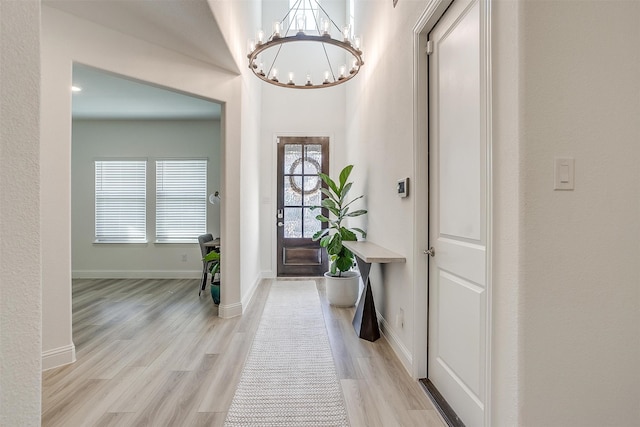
column 342, row 291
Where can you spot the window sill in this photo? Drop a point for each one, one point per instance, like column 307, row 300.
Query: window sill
column 120, row 242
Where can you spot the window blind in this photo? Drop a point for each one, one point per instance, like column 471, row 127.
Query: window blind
column 181, row 199
column 121, row 197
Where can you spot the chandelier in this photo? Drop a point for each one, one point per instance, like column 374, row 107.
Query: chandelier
column 308, row 25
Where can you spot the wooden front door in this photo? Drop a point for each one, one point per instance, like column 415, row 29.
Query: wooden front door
column 299, row 161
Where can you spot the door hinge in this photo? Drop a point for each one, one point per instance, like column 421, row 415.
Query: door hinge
column 429, row 48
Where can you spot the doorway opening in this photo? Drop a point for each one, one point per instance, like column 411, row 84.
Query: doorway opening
column 144, row 161
column 300, row 159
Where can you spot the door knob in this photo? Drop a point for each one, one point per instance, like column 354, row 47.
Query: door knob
column 431, row 252
column 280, row 223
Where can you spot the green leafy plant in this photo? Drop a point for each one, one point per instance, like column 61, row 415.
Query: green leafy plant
column 332, row 237
column 214, row 258
column 215, row 266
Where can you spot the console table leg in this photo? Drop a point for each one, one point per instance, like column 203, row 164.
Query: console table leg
column 365, row 320
column 364, row 268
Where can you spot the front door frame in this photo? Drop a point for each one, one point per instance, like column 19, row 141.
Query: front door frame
column 273, row 208
column 303, row 266
column 427, row 21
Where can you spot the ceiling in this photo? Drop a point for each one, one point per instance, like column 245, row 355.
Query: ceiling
column 185, row 26
column 108, row 96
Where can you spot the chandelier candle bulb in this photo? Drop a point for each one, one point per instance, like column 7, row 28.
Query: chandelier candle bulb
column 276, row 29
column 251, row 46
column 357, row 42
column 324, row 25
column 343, row 70
column 274, row 74
column 309, row 80
column 260, row 37
column 346, row 33
column 300, row 23
column 326, row 78
column 290, row 82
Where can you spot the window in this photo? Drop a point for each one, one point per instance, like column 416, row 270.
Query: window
column 181, row 200
column 121, row 197
column 352, row 14
column 307, row 10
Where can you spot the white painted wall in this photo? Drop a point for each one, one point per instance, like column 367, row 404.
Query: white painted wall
column 237, row 19
column 379, row 131
column 508, row 214
column 297, row 112
column 581, row 292
column 151, row 139
column 67, row 39
column 20, row 262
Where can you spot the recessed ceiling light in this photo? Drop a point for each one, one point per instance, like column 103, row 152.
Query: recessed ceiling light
column 76, row 89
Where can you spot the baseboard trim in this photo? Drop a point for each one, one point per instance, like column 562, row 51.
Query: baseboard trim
column 249, row 295
column 227, row 311
column 136, row 274
column 267, row 274
column 446, row 412
column 397, row 346
column 58, row 357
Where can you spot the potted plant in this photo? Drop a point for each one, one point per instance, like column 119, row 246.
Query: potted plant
column 342, row 282
column 214, row 258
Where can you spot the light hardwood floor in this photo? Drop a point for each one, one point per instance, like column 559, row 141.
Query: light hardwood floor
column 151, row 353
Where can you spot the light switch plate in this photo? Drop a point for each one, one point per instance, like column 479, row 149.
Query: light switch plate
column 564, row 176
column 403, row 187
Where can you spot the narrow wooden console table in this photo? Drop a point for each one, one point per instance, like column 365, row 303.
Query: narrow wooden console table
column 365, row 321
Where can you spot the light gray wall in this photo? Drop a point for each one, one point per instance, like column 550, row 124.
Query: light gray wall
column 95, row 139
column 242, row 178
column 581, row 277
column 20, row 261
column 380, row 138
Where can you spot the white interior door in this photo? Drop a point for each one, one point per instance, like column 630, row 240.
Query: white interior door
column 457, row 214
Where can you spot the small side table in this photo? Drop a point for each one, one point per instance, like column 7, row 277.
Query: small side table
column 215, row 243
column 365, row 321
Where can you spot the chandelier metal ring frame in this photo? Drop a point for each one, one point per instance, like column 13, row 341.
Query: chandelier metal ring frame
column 324, row 37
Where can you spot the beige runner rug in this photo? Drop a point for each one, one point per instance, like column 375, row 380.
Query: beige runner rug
column 289, row 378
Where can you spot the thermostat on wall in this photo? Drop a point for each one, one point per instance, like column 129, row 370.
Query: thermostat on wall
column 403, row 187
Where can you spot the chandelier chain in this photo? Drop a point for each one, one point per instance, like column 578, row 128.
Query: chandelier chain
column 326, row 55
column 327, row 15
column 274, row 60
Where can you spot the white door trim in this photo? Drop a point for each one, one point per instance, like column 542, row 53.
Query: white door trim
column 432, row 13
column 273, row 200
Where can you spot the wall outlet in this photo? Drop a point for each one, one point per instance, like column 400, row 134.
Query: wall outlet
column 184, row 257
column 400, row 319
